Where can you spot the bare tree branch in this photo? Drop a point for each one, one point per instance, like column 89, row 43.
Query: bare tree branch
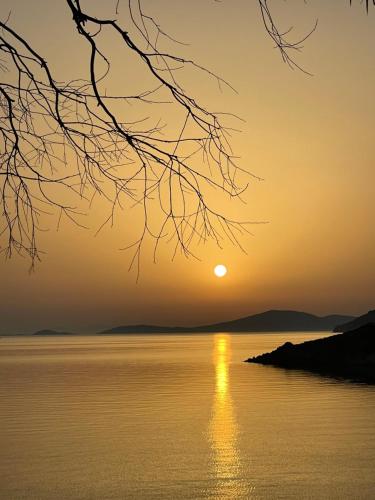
column 64, row 143
column 287, row 47
column 63, row 140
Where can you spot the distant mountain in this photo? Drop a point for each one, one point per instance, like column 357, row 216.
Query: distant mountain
column 281, row 321
column 276, row 321
column 356, row 322
column 146, row 329
column 51, row 332
column 350, row 354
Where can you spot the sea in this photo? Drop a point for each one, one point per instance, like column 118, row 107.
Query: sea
column 177, row 417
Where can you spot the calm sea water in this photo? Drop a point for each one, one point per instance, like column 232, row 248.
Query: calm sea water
column 175, row 417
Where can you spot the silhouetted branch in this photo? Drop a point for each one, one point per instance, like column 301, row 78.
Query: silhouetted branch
column 63, row 143
column 366, row 2
column 63, row 140
column 281, row 38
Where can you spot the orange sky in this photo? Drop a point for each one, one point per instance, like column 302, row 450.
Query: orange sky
column 309, row 138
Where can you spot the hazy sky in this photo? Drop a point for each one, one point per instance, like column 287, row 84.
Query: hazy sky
column 310, row 138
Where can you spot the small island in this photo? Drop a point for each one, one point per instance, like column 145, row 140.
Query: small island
column 51, row 333
column 348, row 355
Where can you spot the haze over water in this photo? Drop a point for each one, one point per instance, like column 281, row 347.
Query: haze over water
column 177, row 416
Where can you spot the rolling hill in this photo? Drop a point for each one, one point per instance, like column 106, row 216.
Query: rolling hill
column 356, row 322
column 268, row 321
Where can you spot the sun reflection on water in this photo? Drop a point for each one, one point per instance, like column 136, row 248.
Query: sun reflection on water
column 224, row 429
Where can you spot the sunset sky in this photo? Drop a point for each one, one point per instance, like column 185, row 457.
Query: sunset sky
column 310, row 138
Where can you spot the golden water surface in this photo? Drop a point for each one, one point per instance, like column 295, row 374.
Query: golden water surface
column 177, row 416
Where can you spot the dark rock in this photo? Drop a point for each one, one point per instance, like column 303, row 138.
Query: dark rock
column 349, row 355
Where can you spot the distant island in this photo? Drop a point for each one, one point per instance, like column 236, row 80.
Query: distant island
column 350, row 355
column 269, row 321
column 356, row 322
column 51, row 332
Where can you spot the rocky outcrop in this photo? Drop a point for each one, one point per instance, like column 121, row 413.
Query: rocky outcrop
column 350, row 355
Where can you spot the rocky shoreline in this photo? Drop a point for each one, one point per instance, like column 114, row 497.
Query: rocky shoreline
column 349, row 355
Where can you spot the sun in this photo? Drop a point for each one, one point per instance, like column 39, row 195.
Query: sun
column 220, row 270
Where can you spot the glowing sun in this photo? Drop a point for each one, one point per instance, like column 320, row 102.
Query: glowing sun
column 220, row 270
